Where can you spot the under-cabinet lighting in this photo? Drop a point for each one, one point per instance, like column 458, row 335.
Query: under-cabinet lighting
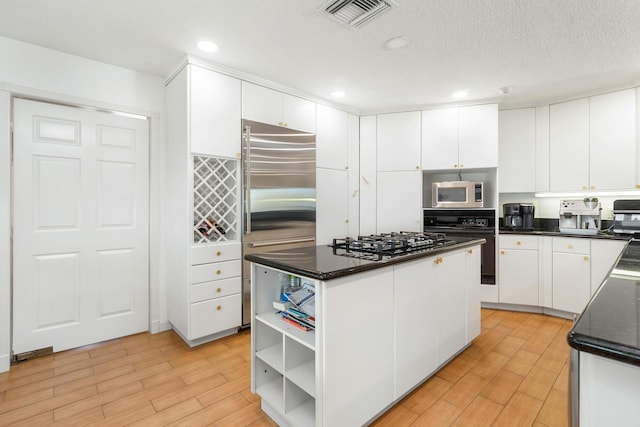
column 591, row 194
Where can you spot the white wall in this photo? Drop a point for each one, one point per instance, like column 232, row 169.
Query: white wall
column 40, row 73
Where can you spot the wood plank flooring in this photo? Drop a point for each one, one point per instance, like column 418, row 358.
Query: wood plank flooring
column 514, row 374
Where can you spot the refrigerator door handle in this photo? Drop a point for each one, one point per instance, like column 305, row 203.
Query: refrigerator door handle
column 247, row 179
column 280, row 242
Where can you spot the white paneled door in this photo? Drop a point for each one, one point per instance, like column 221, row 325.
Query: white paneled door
column 80, row 215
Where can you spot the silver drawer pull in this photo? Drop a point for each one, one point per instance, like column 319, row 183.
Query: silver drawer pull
column 280, row 242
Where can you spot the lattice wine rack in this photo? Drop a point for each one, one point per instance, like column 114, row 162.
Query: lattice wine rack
column 215, row 199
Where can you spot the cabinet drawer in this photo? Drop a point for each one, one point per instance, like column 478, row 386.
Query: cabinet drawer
column 215, row 289
column 572, row 245
column 215, row 271
column 219, row 314
column 203, row 254
column 518, row 241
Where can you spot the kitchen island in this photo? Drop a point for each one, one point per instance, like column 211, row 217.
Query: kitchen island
column 381, row 328
column 605, row 354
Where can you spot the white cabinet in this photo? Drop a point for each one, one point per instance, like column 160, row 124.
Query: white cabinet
column 517, row 151
column 399, row 201
column 464, row 137
column 604, row 254
column 266, row 105
column 452, row 315
column 398, row 141
column 612, row 140
column 571, row 273
column 337, row 175
column 357, row 367
column 415, row 303
column 203, row 222
column 473, row 283
column 590, row 138
column 542, row 148
column 368, row 175
column 569, row 145
column 332, row 138
column 214, row 112
column 332, row 205
column 518, row 269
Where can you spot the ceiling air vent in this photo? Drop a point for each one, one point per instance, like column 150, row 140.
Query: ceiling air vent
column 355, row 13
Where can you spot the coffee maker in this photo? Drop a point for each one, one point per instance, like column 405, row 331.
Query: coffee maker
column 580, row 216
column 518, row 216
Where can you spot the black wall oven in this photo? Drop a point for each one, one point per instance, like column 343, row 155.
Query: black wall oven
column 461, row 224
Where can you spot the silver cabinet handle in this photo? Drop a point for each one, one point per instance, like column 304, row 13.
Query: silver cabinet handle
column 280, row 242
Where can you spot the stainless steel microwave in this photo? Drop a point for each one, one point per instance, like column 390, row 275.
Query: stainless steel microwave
column 458, row 194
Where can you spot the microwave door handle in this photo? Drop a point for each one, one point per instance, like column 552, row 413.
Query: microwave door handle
column 247, row 179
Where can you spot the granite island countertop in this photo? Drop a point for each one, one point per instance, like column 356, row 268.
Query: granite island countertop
column 610, row 324
column 321, row 263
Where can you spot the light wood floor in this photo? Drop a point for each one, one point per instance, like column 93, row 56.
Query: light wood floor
column 514, row 374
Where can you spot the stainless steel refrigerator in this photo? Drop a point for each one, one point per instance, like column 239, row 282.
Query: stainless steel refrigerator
column 279, row 194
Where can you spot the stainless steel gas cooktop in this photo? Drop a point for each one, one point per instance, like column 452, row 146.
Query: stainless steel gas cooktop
column 376, row 247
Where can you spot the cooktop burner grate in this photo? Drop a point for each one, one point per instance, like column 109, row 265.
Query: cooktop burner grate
column 377, row 246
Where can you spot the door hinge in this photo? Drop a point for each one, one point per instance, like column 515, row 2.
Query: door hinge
column 21, row 357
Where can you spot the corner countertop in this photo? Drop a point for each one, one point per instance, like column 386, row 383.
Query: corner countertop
column 321, row 263
column 610, row 324
column 557, row 233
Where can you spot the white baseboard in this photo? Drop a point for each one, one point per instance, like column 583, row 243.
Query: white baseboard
column 158, row 326
column 5, row 362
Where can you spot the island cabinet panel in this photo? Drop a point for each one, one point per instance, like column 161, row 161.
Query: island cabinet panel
column 357, row 348
column 415, row 303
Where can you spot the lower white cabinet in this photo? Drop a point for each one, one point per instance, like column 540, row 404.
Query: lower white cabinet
column 518, row 270
column 394, row 325
column 571, row 273
column 604, row 254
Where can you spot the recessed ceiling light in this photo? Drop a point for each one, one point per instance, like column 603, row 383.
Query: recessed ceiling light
column 460, row 94
column 338, row 94
column 208, row 46
column 397, row 42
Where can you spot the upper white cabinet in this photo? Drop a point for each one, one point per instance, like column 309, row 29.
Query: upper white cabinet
column 590, row 138
column 214, row 112
column 265, row 105
column 332, row 138
column 517, row 150
column 456, row 138
column 368, row 175
column 353, row 167
column 612, row 140
column 398, row 141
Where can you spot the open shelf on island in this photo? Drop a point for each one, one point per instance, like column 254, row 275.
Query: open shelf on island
column 274, row 320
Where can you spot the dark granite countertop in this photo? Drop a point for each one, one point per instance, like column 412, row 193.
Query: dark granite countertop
column 320, row 262
column 558, row 233
column 610, row 324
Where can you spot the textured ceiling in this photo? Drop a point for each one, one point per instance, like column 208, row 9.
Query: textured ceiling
column 543, row 49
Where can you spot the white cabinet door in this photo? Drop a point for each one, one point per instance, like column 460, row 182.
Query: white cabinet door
column 261, row 104
column 612, row 140
column 478, row 136
column 331, row 205
column 368, row 175
column 473, row 269
column 354, row 175
column 440, row 139
column 399, row 201
column 332, row 138
column 517, row 151
column 604, row 253
column 298, row 113
column 542, row 148
column 571, row 281
column 415, row 310
column 358, row 347
column 569, row 145
column 215, row 113
column 452, row 308
column 398, row 143
column 518, row 276
column 269, row 106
